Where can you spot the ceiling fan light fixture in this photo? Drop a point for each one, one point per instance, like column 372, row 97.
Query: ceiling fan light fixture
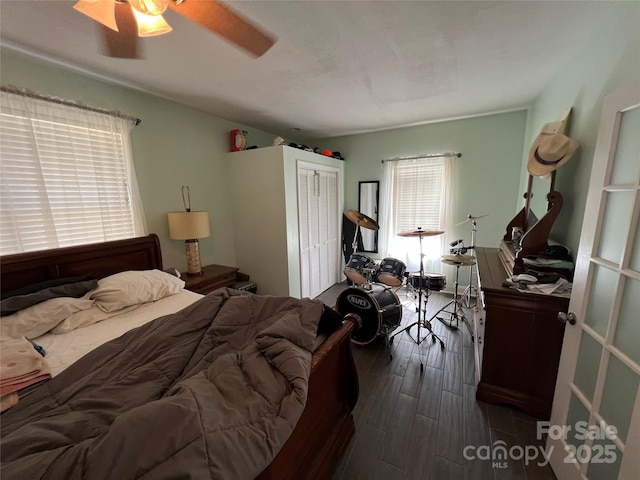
column 102, row 11
column 149, row 7
column 151, row 25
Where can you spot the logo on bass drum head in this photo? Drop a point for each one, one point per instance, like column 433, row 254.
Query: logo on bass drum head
column 359, row 302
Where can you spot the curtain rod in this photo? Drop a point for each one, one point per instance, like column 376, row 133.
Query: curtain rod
column 430, row 155
column 30, row 94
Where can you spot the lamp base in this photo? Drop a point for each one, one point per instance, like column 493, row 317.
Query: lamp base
column 192, row 247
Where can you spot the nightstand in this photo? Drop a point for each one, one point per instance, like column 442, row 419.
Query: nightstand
column 212, row 278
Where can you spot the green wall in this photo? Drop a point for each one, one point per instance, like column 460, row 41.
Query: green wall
column 486, row 177
column 177, row 145
column 609, row 60
column 173, row 146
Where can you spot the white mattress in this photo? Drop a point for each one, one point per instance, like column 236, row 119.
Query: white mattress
column 62, row 350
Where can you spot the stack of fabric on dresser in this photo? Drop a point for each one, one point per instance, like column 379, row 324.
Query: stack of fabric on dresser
column 553, row 259
column 549, row 273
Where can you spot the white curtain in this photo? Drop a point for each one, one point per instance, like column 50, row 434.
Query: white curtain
column 67, row 176
column 416, row 193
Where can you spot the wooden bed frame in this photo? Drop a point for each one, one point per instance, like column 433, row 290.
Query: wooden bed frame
column 326, row 425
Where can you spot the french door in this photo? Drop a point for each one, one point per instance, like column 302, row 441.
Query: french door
column 318, row 219
column 595, row 422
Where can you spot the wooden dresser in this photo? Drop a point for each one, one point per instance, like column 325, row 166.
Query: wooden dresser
column 212, row 278
column 518, row 340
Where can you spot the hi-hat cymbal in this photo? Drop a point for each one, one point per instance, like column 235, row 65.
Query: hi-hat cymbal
column 464, row 260
column 471, row 218
column 361, row 219
column 420, row 233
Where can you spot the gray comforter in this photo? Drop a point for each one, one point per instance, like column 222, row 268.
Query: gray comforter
column 212, row 391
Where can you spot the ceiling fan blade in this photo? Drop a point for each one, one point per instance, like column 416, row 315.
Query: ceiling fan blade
column 122, row 44
column 227, row 23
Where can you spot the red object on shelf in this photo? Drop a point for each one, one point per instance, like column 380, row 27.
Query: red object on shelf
column 238, row 140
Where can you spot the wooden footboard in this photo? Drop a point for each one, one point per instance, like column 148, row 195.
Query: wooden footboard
column 326, row 425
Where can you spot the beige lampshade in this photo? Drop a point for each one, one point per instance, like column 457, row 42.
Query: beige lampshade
column 150, row 25
column 188, row 225
column 102, row 11
column 149, row 7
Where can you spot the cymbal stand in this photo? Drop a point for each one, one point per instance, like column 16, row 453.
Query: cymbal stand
column 421, row 322
column 369, row 273
column 354, row 244
column 470, row 290
column 457, row 313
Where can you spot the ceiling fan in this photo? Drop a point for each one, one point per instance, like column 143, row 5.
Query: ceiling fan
column 123, row 21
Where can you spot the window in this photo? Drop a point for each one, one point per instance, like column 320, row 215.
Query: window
column 416, row 195
column 66, row 176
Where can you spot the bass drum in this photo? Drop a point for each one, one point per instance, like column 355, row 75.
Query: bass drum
column 379, row 308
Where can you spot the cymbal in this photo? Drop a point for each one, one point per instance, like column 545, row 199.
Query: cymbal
column 420, row 233
column 464, row 260
column 471, row 218
column 361, row 219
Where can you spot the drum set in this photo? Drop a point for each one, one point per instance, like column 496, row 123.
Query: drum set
column 373, row 296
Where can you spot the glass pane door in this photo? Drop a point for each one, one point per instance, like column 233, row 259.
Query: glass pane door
column 596, row 413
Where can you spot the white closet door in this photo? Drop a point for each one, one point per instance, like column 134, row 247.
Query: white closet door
column 315, row 286
column 323, row 218
column 309, row 225
column 318, row 223
column 332, row 235
column 304, row 189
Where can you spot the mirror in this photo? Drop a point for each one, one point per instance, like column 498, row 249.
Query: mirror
column 368, row 205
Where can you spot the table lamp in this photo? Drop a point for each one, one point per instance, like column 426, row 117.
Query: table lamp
column 189, row 226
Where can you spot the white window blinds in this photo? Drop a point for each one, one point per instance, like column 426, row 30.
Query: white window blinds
column 67, row 176
column 417, row 194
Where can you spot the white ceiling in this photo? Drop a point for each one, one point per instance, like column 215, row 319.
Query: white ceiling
column 339, row 67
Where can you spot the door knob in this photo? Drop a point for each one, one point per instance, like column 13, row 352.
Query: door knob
column 569, row 318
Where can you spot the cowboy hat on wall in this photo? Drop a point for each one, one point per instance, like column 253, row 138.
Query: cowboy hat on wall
column 551, row 149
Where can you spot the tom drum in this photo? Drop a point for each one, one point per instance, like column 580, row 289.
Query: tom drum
column 391, row 272
column 379, row 308
column 359, row 267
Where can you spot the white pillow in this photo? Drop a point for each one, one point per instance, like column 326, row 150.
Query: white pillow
column 40, row 318
column 134, row 287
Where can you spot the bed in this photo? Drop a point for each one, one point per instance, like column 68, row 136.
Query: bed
column 316, row 430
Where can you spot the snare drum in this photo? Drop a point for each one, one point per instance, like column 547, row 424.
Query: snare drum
column 379, row 308
column 359, row 267
column 391, row 272
column 429, row 281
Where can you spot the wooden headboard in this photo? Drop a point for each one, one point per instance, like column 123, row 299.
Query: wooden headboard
column 99, row 260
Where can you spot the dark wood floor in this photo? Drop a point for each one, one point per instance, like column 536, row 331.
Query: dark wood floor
column 413, row 424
